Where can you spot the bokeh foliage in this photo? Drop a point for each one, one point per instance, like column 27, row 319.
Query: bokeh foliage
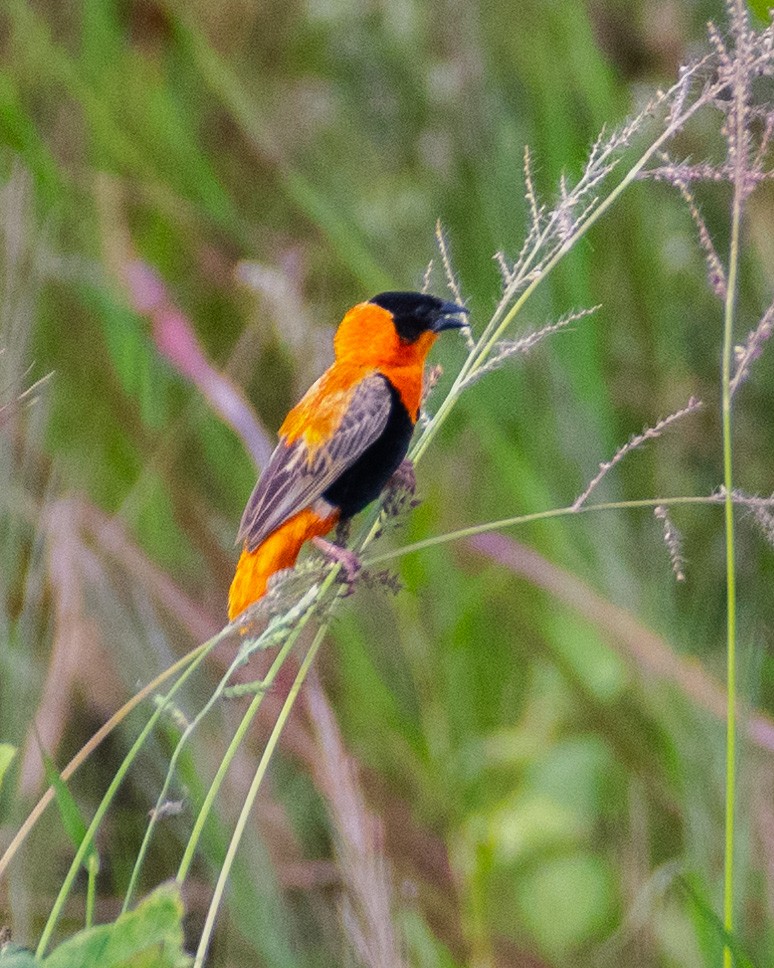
column 544, row 801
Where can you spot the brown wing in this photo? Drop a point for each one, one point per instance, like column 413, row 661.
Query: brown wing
column 294, row 478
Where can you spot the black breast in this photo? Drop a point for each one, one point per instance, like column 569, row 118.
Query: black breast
column 364, row 481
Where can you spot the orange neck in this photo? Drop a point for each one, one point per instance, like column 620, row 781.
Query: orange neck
column 408, row 381
column 367, row 339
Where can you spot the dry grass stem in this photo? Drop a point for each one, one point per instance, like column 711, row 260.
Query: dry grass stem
column 764, row 518
column 673, row 540
column 443, row 248
column 751, row 349
column 506, row 349
column 649, row 433
column 716, row 274
column 427, row 277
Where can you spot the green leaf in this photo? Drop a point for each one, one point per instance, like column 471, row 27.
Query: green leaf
column 150, row 936
column 7, row 753
column 425, row 949
column 72, row 821
column 760, row 8
column 18, row 130
column 729, row 940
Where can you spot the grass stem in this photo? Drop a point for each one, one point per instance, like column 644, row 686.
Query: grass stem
column 247, row 806
column 241, row 732
column 729, row 315
column 518, row 519
column 88, row 748
column 111, row 792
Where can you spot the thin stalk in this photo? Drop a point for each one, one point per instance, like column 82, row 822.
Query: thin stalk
column 728, row 886
column 179, row 747
column 728, row 482
column 88, row 748
column 111, row 791
column 91, row 889
column 220, row 887
column 239, row 735
column 225, row 763
column 292, row 636
column 512, row 522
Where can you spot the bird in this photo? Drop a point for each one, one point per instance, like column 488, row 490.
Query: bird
column 350, row 432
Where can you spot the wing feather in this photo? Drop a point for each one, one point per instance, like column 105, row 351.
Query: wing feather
column 296, row 476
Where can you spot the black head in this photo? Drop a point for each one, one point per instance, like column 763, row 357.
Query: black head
column 415, row 313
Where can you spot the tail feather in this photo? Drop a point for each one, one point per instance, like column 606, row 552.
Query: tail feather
column 280, row 550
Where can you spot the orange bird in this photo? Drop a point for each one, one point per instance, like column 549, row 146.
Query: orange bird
column 342, row 442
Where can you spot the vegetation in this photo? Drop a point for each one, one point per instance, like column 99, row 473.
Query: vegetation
column 533, row 754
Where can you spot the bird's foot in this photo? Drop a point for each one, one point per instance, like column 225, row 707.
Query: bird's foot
column 351, row 564
column 404, row 478
column 341, row 535
column 400, row 489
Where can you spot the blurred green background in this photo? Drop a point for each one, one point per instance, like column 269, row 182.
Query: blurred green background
column 540, row 746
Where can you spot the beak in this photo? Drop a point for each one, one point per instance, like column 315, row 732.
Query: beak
column 451, row 316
